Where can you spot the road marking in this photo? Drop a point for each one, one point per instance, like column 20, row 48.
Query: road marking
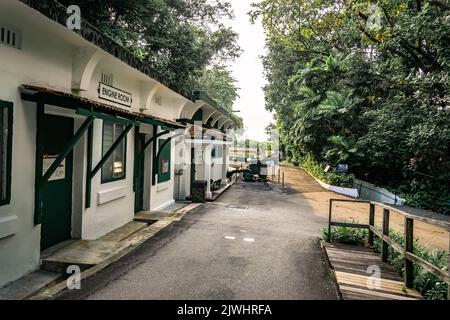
column 249, row 239
column 230, row 238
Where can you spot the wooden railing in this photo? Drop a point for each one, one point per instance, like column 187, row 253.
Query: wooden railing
column 407, row 250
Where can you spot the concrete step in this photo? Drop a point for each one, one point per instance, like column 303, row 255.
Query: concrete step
column 29, row 284
column 150, row 217
column 83, row 253
column 125, row 231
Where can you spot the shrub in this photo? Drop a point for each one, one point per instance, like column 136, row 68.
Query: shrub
column 318, row 171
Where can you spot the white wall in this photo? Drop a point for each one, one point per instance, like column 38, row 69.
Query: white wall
column 41, row 61
column 162, row 193
column 180, row 191
column 19, row 253
column 102, row 218
column 46, row 59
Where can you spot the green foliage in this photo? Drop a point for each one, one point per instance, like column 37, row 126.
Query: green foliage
column 426, row 283
column 373, row 95
column 220, row 85
column 342, row 150
column 318, row 171
column 179, row 38
column 347, row 235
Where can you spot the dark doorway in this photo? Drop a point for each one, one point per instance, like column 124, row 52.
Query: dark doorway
column 192, row 169
column 57, row 191
column 140, row 174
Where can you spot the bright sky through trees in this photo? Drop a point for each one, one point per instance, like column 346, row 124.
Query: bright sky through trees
column 248, row 71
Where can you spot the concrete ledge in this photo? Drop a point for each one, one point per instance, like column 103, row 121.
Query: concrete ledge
column 351, row 192
column 372, row 192
column 111, row 195
column 162, row 186
column 8, row 226
column 218, row 193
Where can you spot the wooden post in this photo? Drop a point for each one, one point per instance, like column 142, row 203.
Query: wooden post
column 409, row 240
column 371, row 222
column 329, row 220
column 385, row 246
column 279, row 175
column 283, row 181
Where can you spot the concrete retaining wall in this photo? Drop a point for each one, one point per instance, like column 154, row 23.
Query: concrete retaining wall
column 371, row 192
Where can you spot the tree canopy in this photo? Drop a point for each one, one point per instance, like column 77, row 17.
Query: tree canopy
column 364, row 83
column 220, row 85
column 179, row 38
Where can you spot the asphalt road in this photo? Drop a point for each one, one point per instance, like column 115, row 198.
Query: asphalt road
column 254, row 242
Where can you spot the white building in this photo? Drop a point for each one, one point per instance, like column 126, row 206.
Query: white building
column 84, row 124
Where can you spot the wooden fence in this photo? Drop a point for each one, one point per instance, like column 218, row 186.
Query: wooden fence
column 407, row 250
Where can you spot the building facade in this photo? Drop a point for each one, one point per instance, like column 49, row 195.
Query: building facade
column 90, row 136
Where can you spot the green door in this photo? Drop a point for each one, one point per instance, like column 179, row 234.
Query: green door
column 140, row 167
column 57, row 191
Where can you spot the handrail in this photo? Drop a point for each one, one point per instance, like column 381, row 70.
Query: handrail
column 439, row 223
column 407, row 251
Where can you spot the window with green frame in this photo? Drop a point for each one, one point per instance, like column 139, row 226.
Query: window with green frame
column 115, row 166
column 6, row 122
column 164, row 162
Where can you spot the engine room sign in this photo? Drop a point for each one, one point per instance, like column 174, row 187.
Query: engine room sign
column 115, row 95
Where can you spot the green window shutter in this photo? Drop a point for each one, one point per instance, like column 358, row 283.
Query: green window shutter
column 115, row 166
column 164, row 166
column 6, row 122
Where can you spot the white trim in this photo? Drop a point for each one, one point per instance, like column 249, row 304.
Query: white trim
column 351, row 192
column 8, row 226
column 341, row 190
column 109, row 195
column 162, row 186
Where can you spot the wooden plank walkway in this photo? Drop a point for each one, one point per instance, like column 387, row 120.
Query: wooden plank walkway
column 350, row 265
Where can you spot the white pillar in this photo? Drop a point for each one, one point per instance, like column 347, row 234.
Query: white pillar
column 225, row 159
column 207, row 168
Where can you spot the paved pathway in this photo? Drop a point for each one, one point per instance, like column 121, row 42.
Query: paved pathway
column 254, row 242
